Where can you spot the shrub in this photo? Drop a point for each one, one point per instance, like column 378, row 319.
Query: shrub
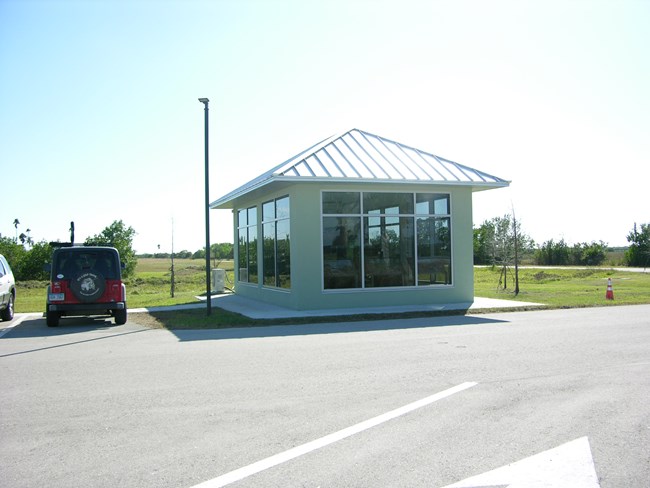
column 638, row 254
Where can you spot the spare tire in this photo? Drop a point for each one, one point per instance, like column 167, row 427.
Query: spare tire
column 88, row 286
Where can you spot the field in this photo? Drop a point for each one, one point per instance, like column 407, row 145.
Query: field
column 564, row 288
column 554, row 287
column 151, row 286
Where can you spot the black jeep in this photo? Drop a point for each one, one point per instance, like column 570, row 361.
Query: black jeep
column 85, row 280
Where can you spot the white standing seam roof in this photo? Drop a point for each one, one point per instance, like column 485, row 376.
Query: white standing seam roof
column 360, row 156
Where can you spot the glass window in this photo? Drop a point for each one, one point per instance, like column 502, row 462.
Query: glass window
column 388, row 203
column 268, row 211
column 283, row 254
column 340, row 202
column 276, row 261
column 434, row 251
column 247, row 245
column 268, row 264
column 282, row 208
column 252, row 254
column 432, row 204
column 341, row 252
column 406, row 239
column 242, row 221
column 389, row 252
column 242, row 254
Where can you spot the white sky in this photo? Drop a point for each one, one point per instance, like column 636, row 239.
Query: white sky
column 99, row 117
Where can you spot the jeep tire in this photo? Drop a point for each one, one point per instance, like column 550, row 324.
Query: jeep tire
column 52, row 318
column 120, row 317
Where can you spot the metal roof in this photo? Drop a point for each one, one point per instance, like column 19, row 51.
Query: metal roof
column 360, row 156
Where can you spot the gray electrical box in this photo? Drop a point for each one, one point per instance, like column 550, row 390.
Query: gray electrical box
column 218, row 280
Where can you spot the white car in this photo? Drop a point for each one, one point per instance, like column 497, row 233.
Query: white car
column 7, row 290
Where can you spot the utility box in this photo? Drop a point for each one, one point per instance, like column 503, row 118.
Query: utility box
column 218, row 280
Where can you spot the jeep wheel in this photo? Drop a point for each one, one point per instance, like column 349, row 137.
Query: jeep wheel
column 52, row 318
column 8, row 313
column 88, row 286
column 120, row 317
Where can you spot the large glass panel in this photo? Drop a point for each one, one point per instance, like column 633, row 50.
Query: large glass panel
column 283, row 254
column 434, row 251
column 282, row 208
column 389, row 251
column 252, row 252
column 341, row 252
column 268, row 263
column 242, row 254
column 241, row 218
column 432, row 203
column 339, row 202
column 252, row 216
column 388, row 203
column 268, row 211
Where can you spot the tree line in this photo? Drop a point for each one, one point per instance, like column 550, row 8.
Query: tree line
column 221, row 250
column 500, row 241
column 496, row 241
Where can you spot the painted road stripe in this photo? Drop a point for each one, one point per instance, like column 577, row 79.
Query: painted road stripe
column 298, row 451
column 18, row 318
column 569, row 465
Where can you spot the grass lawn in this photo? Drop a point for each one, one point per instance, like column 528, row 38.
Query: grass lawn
column 151, row 286
column 566, row 288
column 554, row 287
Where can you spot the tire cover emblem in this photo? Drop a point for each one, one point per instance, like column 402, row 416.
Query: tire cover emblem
column 87, row 286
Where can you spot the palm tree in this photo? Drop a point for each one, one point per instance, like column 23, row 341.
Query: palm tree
column 16, row 224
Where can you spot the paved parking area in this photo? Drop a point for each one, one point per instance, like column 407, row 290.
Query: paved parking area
column 94, row 404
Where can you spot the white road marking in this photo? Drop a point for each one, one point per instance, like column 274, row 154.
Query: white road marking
column 18, row 318
column 569, row 465
column 295, row 452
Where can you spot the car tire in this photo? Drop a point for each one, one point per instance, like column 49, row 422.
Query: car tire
column 120, row 317
column 8, row 313
column 52, row 319
column 88, row 286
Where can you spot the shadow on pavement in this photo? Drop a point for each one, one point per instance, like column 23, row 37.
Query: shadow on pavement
column 36, row 327
column 330, row 328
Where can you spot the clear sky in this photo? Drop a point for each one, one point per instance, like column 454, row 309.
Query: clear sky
column 99, row 117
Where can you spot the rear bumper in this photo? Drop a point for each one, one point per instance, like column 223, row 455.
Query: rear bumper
column 85, row 308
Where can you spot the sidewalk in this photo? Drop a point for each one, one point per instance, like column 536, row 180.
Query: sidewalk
column 256, row 309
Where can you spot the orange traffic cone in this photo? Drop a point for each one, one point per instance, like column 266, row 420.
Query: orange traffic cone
column 610, row 291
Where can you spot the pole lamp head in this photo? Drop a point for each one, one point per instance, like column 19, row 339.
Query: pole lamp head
column 204, row 100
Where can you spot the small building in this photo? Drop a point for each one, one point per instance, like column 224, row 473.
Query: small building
column 357, row 220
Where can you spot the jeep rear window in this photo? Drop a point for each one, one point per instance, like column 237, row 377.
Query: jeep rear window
column 71, row 263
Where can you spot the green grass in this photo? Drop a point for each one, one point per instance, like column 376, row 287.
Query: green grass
column 151, row 286
column 556, row 288
column 566, row 288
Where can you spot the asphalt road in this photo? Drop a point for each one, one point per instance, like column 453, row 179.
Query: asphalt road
column 92, row 404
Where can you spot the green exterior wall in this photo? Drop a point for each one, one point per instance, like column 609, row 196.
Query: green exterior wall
column 306, row 252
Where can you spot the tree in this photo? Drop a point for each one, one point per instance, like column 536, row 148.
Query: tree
column 499, row 242
column 16, row 224
column 222, row 250
column 553, row 253
column 26, row 264
column 32, row 265
column 119, row 236
column 638, row 254
column 13, row 251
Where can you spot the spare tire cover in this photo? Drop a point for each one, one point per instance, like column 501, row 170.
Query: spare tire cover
column 88, row 286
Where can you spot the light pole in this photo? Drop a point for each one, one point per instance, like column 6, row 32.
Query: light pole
column 208, row 300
